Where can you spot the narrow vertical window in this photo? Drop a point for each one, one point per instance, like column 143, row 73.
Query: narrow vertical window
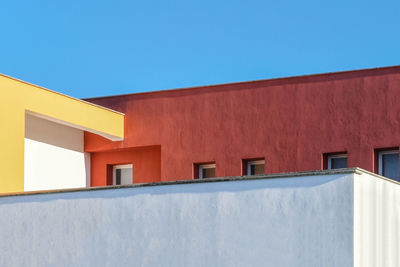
column 122, row 174
column 389, row 164
column 337, row 161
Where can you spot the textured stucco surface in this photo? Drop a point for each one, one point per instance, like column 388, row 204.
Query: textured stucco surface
column 298, row 221
column 290, row 122
column 145, row 160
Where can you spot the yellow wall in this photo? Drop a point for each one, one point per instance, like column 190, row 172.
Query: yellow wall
column 17, row 97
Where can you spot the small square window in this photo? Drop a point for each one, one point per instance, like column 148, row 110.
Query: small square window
column 388, row 162
column 204, row 171
column 337, row 161
column 123, row 174
column 253, row 166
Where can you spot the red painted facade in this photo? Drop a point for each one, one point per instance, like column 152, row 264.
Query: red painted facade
column 291, row 122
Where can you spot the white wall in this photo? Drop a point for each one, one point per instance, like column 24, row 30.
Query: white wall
column 298, row 221
column 54, row 156
column 376, row 222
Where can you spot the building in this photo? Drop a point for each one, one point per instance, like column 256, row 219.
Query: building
column 346, row 119
column 267, row 141
column 42, row 137
column 333, row 120
column 346, row 217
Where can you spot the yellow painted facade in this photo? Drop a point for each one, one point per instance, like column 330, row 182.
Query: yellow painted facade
column 17, row 98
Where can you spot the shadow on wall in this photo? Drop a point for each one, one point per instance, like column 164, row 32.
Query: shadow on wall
column 52, row 133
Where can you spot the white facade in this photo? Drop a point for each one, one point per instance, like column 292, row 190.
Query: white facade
column 54, row 156
column 343, row 218
column 305, row 220
column 376, row 222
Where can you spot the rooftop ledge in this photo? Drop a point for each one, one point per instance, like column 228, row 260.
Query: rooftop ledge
column 61, row 94
column 355, row 170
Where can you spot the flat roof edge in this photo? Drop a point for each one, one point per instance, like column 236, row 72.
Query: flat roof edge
column 354, row 170
column 283, row 78
column 61, row 94
column 360, row 170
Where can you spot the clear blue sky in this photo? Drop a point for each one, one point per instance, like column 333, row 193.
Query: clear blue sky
column 94, row 48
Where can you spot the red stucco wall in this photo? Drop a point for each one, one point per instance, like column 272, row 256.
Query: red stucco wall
column 290, row 122
column 145, row 160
